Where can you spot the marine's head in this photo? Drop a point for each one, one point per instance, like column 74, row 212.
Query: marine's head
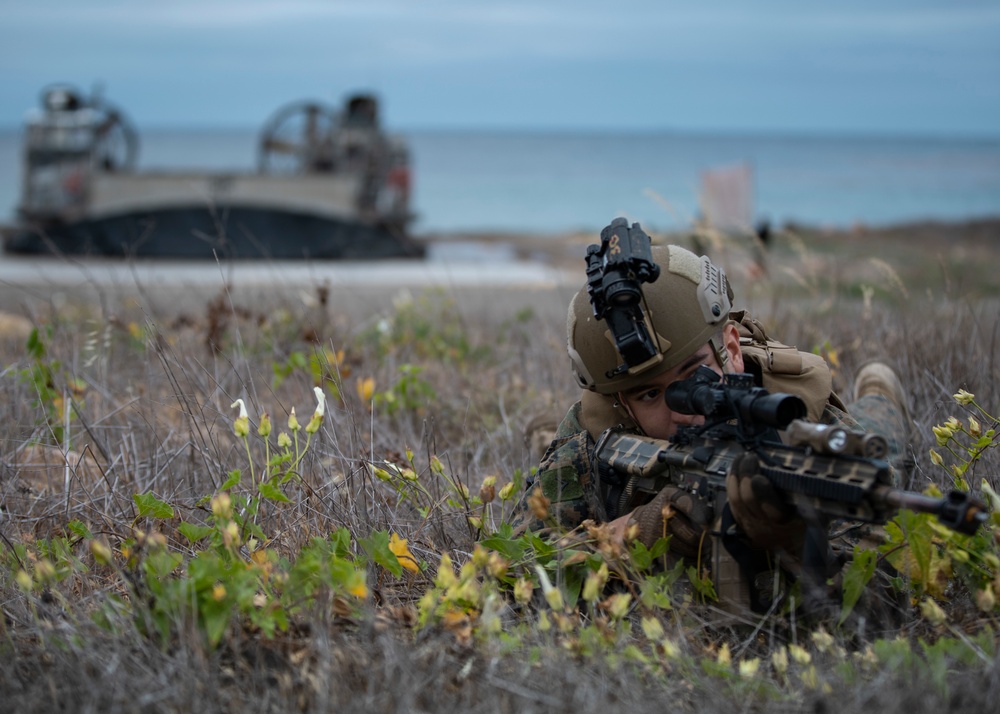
column 683, row 309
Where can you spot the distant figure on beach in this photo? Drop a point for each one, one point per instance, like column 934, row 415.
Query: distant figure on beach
column 763, row 229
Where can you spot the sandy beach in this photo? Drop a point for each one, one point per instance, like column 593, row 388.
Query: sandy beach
column 474, row 267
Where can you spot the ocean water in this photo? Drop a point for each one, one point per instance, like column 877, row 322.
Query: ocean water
column 550, row 182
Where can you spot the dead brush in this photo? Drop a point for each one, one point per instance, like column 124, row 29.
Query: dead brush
column 377, row 569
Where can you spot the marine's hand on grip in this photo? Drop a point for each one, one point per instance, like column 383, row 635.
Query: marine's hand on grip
column 761, row 511
column 676, row 513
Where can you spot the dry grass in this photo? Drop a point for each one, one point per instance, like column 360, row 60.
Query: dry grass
column 147, row 394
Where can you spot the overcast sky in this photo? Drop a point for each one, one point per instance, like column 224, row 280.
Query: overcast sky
column 913, row 67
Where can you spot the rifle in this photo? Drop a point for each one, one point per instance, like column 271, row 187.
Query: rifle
column 825, row 472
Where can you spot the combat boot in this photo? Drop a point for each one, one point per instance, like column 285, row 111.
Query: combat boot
column 878, row 378
column 539, row 433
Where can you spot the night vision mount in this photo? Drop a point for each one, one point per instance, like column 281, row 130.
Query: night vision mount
column 615, row 270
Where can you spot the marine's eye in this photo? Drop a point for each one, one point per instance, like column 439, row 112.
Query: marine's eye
column 649, row 396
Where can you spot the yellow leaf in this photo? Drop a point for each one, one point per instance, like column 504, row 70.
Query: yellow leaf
column 366, row 388
column 455, row 619
column 356, row 585
column 59, row 405
column 402, row 552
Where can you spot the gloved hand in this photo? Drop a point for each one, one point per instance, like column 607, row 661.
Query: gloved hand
column 676, row 513
column 763, row 514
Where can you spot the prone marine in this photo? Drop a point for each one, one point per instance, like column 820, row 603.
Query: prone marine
column 648, row 318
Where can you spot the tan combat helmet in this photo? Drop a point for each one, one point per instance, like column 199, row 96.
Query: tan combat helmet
column 685, row 308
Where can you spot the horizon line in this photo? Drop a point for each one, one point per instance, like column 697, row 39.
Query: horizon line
column 486, row 129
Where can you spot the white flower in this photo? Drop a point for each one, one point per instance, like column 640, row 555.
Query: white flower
column 241, row 427
column 320, row 402
column 313, row 426
column 243, row 408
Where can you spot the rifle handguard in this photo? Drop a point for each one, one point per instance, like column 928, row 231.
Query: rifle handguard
column 836, row 440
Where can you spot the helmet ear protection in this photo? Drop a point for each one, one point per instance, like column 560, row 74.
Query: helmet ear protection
column 644, row 310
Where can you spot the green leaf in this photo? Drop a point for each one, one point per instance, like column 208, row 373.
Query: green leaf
column 344, row 575
column 269, row 619
column 80, row 529
column 161, row 563
column 279, row 459
column 660, row 547
column 920, row 537
column 894, row 537
column 894, row 654
column 856, row 577
column 216, row 617
column 572, row 583
column 643, row 557
column 377, row 548
column 150, row 505
column 655, row 590
column 234, row 478
column 938, row 658
column 35, row 346
column 543, row 549
column 192, row 532
column 254, row 530
column 272, row 493
column 639, row 555
column 340, row 539
column 702, row 584
column 510, row 548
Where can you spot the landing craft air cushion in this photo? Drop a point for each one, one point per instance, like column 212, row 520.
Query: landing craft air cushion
column 329, row 184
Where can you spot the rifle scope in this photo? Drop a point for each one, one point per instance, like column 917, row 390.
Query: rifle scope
column 735, row 397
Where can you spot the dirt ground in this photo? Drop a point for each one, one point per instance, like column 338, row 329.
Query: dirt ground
column 567, row 249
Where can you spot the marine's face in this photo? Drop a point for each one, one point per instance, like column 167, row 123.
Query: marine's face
column 647, row 405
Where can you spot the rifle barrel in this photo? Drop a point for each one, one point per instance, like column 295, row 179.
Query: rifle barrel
column 958, row 510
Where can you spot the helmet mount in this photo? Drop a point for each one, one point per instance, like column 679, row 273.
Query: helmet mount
column 615, row 271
